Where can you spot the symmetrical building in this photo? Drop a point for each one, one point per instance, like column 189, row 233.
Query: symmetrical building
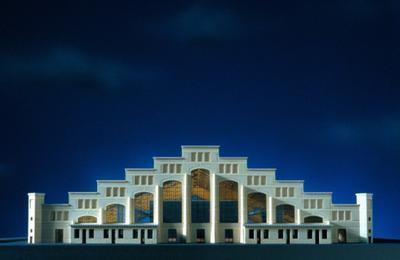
column 200, row 197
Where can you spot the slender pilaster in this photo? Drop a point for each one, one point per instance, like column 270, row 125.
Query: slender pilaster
column 213, row 208
column 185, row 208
column 271, row 211
column 128, row 215
column 156, row 205
column 242, row 207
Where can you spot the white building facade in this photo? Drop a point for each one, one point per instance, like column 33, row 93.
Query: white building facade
column 200, row 197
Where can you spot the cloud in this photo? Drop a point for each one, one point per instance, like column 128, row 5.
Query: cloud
column 198, row 22
column 62, row 65
column 383, row 131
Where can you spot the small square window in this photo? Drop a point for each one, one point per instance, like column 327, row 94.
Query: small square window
column 178, row 168
column 306, row 203
column 280, row 233
column 249, row 180
column 94, row 204
column 80, row 204
column 277, row 192
column 122, row 192
column 207, row 156
column 334, row 215
column 295, row 233
column 221, row 168
column 115, row 192
column 291, row 192
column 172, row 168
column 234, row 168
column 105, row 233
column 59, row 215
column 369, row 219
column 199, row 157
column 324, row 234
column 65, row 217
column 149, row 233
column 150, row 180
column 256, row 180
column 108, row 192
column 76, row 233
column 135, row 234
column 91, row 233
column 120, row 233
column 266, row 233
column 309, row 233
column 251, row 233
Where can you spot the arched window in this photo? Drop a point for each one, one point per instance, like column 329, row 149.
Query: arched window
column 313, row 219
column 87, row 219
column 228, row 202
column 256, row 207
column 143, row 207
column 285, row 213
column 115, row 213
column 172, row 202
column 200, row 196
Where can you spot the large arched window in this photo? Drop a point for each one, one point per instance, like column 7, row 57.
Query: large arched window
column 285, row 213
column 115, row 213
column 228, row 202
column 172, row 202
column 200, row 196
column 143, row 207
column 256, row 207
column 313, row 219
column 87, row 219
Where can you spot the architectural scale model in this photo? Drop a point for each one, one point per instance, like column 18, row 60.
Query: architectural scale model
column 200, row 197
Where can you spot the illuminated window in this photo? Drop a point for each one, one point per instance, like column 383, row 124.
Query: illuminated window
column 200, row 197
column 122, row 192
column 228, row 202
column 144, row 207
column 87, row 219
column 172, row 202
column 115, row 213
column 108, row 192
column 256, row 208
column 313, row 219
column 285, row 213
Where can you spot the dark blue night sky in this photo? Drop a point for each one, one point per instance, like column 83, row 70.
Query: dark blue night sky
column 308, row 87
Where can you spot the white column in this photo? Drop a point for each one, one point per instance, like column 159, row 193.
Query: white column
column 212, row 208
column 185, row 207
column 100, row 216
column 271, row 211
column 298, row 217
column 128, row 211
column 242, row 207
column 156, row 205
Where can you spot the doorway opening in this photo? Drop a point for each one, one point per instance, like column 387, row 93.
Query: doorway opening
column 142, row 238
column 200, row 236
column 342, row 236
column 258, row 236
column 83, row 236
column 59, row 234
column 288, row 236
column 113, row 236
column 317, row 236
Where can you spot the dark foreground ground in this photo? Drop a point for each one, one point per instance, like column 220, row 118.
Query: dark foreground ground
column 20, row 250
